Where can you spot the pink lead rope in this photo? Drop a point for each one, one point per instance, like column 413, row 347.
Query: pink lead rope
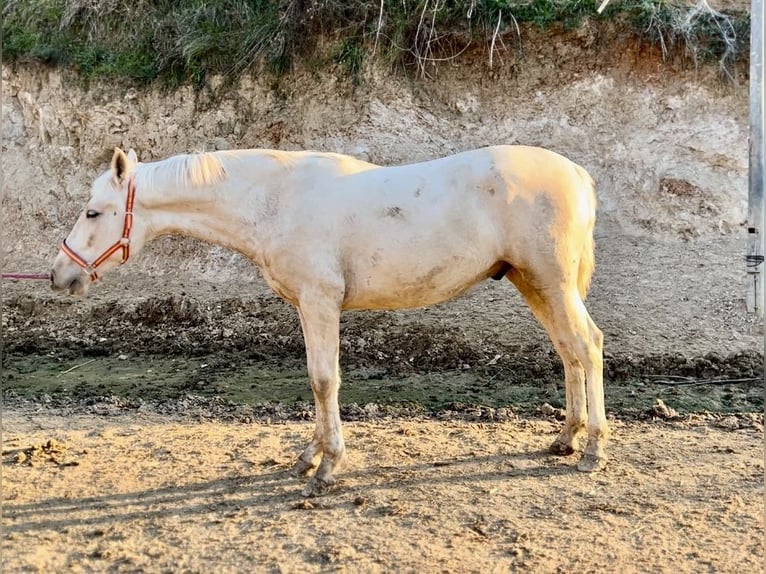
column 18, row 276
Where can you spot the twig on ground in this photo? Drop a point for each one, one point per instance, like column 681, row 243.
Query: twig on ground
column 494, row 37
column 76, row 367
column 692, row 382
column 377, row 32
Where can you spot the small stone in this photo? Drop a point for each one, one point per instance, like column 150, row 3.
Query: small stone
column 663, row 411
column 221, row 144
column 551, row 411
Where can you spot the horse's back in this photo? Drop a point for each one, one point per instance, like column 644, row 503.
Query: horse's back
column 503, row 172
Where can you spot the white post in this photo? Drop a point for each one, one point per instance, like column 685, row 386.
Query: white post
column 755, row 221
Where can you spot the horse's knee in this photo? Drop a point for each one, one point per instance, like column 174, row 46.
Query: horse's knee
column 324, row 386
column 573, row 367
column 589, row 348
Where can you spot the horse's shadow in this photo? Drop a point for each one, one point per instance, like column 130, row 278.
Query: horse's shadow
column 278, row 489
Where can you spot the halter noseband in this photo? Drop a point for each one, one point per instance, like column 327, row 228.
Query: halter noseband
column 123, row 243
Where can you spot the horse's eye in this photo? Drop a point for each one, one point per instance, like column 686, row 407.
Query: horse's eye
column 91, row 213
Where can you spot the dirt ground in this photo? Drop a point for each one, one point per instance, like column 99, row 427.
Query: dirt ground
column 148, row 493
column 151, row 426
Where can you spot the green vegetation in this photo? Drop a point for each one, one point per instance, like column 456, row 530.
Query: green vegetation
column 186, row 40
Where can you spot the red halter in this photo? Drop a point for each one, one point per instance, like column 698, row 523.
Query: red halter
column 123, row 243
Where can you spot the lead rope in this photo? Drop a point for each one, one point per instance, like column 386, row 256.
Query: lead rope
column 22, row 276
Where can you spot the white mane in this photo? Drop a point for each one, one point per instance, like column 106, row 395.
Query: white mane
column 191, row 171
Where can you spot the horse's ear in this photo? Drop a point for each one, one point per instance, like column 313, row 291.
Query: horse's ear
column 122, row 165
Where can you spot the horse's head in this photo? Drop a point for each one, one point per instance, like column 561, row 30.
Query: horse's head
column 101, row 237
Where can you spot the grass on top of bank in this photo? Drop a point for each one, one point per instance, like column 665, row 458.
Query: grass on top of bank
column 188, row 40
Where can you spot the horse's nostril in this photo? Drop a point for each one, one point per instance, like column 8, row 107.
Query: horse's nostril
column 53, row 275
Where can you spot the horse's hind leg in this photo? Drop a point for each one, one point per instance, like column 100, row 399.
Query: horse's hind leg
column 578, row 333
column 580, row 345
column 594, row 457
column 574, row 374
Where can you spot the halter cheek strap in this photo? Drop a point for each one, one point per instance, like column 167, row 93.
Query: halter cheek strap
column 123, row 243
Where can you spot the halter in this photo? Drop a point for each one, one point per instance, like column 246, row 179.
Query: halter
column 123, row 243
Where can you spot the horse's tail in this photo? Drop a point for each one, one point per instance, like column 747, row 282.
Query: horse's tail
column 587, row 257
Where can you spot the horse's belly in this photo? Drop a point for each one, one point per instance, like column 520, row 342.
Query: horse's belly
column 381, row 287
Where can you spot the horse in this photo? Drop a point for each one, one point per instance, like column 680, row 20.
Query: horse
column 331, row 233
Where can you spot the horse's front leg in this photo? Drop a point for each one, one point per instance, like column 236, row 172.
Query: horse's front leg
column 320, row 320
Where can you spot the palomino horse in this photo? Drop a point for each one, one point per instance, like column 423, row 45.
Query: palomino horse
column 330, row 232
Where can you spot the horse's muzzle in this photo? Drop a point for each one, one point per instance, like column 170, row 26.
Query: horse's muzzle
column 74, row 285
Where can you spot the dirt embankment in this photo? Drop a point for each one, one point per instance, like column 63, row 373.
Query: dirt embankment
column 665, row 141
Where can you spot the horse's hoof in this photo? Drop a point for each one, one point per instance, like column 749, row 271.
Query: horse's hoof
column 591, row 463
column 317, row 487
column 301, row 467
column 560, row 448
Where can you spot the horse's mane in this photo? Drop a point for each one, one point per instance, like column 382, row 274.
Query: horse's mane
column 193, row 170
column 204, row 169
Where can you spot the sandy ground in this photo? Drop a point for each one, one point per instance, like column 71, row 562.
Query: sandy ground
column 143, row 493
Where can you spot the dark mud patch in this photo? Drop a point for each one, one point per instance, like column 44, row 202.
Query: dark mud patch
column 264, row 330
column 235, row 380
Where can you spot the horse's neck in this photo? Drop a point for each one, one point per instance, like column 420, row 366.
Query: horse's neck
column 223, row 212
